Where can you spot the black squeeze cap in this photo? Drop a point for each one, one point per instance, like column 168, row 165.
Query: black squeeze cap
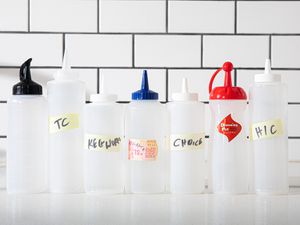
column 26, row 86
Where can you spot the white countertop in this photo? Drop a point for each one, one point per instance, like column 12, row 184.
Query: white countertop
column 87, row 209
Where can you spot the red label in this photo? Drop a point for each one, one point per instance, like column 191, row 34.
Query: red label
column 229, row 127
column 140, row 149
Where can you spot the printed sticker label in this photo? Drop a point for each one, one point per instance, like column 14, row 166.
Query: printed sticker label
column 102, row 143
column 266, row 129
column 187, row 142
column 63, row 122
column 229, row 128
column 141, row 149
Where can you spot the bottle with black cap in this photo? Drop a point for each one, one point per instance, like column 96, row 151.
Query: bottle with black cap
column 145, row 134
column 27, row 136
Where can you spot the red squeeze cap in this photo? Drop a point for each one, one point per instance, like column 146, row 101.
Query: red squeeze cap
column 227, row 91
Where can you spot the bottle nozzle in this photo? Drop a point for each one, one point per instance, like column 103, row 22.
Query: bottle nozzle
column 184, row 85
column 25, row 73
column 145, row 84
column 65, row 63
column 268, row 66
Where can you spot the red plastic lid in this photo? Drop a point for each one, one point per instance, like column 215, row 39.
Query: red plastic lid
column 227, row 91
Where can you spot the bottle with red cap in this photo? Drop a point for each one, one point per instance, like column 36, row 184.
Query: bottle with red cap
column 229, row 150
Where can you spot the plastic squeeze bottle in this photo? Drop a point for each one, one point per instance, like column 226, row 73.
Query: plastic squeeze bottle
column 268, row 132
column 145, row 132
column 187, row 137
column 229, row 150
column 27, row 153
column 66, row 99
column 104, row 131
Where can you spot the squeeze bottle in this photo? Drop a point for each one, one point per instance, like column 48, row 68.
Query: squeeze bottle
column 66, row 99
column 27, row 153
column 229, row 145
column 268, row 132
column 104, row 154
column 145, row 133
column 187, row 137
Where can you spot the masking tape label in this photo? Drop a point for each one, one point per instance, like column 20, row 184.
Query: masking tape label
column 266, row 129
column 102, row 142
column 142, row 149
column 187, row 142
column 65, row 122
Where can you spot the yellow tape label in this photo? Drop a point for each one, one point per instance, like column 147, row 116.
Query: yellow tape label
column 187, row 142
column 266, row 129
column 65, row 122
column 102, row 143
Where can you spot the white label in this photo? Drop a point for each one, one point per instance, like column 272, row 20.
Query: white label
column 266, row 129
column 183, row 142
column 102, row 142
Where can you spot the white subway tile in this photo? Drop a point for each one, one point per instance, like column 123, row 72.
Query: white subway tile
column 294, row 120
column 268, row 17
column 286, row 51
column 2, row 163
column 242, row 51
column 45, row 49
column 9, row 77
column 168, row 51
column 3, row 118
column 294, row 169
column 13, row 15
column 291, row 77
column 198, row 81
column 99, row 50
column 132, row 16
column 63, row 15
column 294, row 150
column 125, row 81
column 201, row 16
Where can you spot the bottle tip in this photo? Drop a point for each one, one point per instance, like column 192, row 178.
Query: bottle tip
column 145, row 84
column 65, row 63
column 25, row 73
column 184, row 85
column 267, row 66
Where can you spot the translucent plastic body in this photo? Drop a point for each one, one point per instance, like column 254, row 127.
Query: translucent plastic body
column 27, row 153
column 66, row 146
column 187, row 166
column 268, row 101
column 147, row 120
column 104, row 168
column 229, row 159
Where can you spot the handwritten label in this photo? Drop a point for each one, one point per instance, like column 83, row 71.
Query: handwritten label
column 183, row 142
column 141, row 149
column 102, row 142
column 64, row 122
column 266, row 129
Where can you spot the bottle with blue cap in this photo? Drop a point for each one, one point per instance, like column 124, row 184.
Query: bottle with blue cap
column 27, row 150
column 268, row 132
column 103, row 144
column 66, row 99
column 187, row 138
column 145, row 136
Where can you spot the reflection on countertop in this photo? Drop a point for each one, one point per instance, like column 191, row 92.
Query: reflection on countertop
column 208, row 209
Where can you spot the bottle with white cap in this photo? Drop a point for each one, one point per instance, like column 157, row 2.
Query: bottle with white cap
column 104, row 130
column 66, row 99
column 145, row 135
column 187, row 137
column 268, row 132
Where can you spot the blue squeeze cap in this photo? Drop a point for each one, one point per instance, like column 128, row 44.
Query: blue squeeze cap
column 144, row 93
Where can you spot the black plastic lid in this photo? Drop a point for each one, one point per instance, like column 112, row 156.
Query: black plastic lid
column 26, row 86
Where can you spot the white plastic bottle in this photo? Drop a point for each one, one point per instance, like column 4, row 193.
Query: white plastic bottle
column 145, row 133
column 27, row 153
column 104, row 155
column 187, row 138
column 66, row 99
column 228, row 138
column 268, row 132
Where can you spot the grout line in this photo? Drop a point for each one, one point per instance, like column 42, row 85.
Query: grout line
column 98, row 80
column 270, row 48
column 167, row 16
column 28, row 16
column 133, row 50
column 202, row 50
column 234, row 77
column 235, row 17
column 167, row 85
column 63, row 45
column 98, row 16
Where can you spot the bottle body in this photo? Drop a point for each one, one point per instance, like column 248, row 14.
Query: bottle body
column 229, row 147
column 268, row 110
column 187, row 138
column 66, row 99
column 27, row 153
column 104, row 155
column 145, row 133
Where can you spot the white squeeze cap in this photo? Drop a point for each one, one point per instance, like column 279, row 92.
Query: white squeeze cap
column 103, row 96
column 184, row 95
column 267, row 76
column 66, row 73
